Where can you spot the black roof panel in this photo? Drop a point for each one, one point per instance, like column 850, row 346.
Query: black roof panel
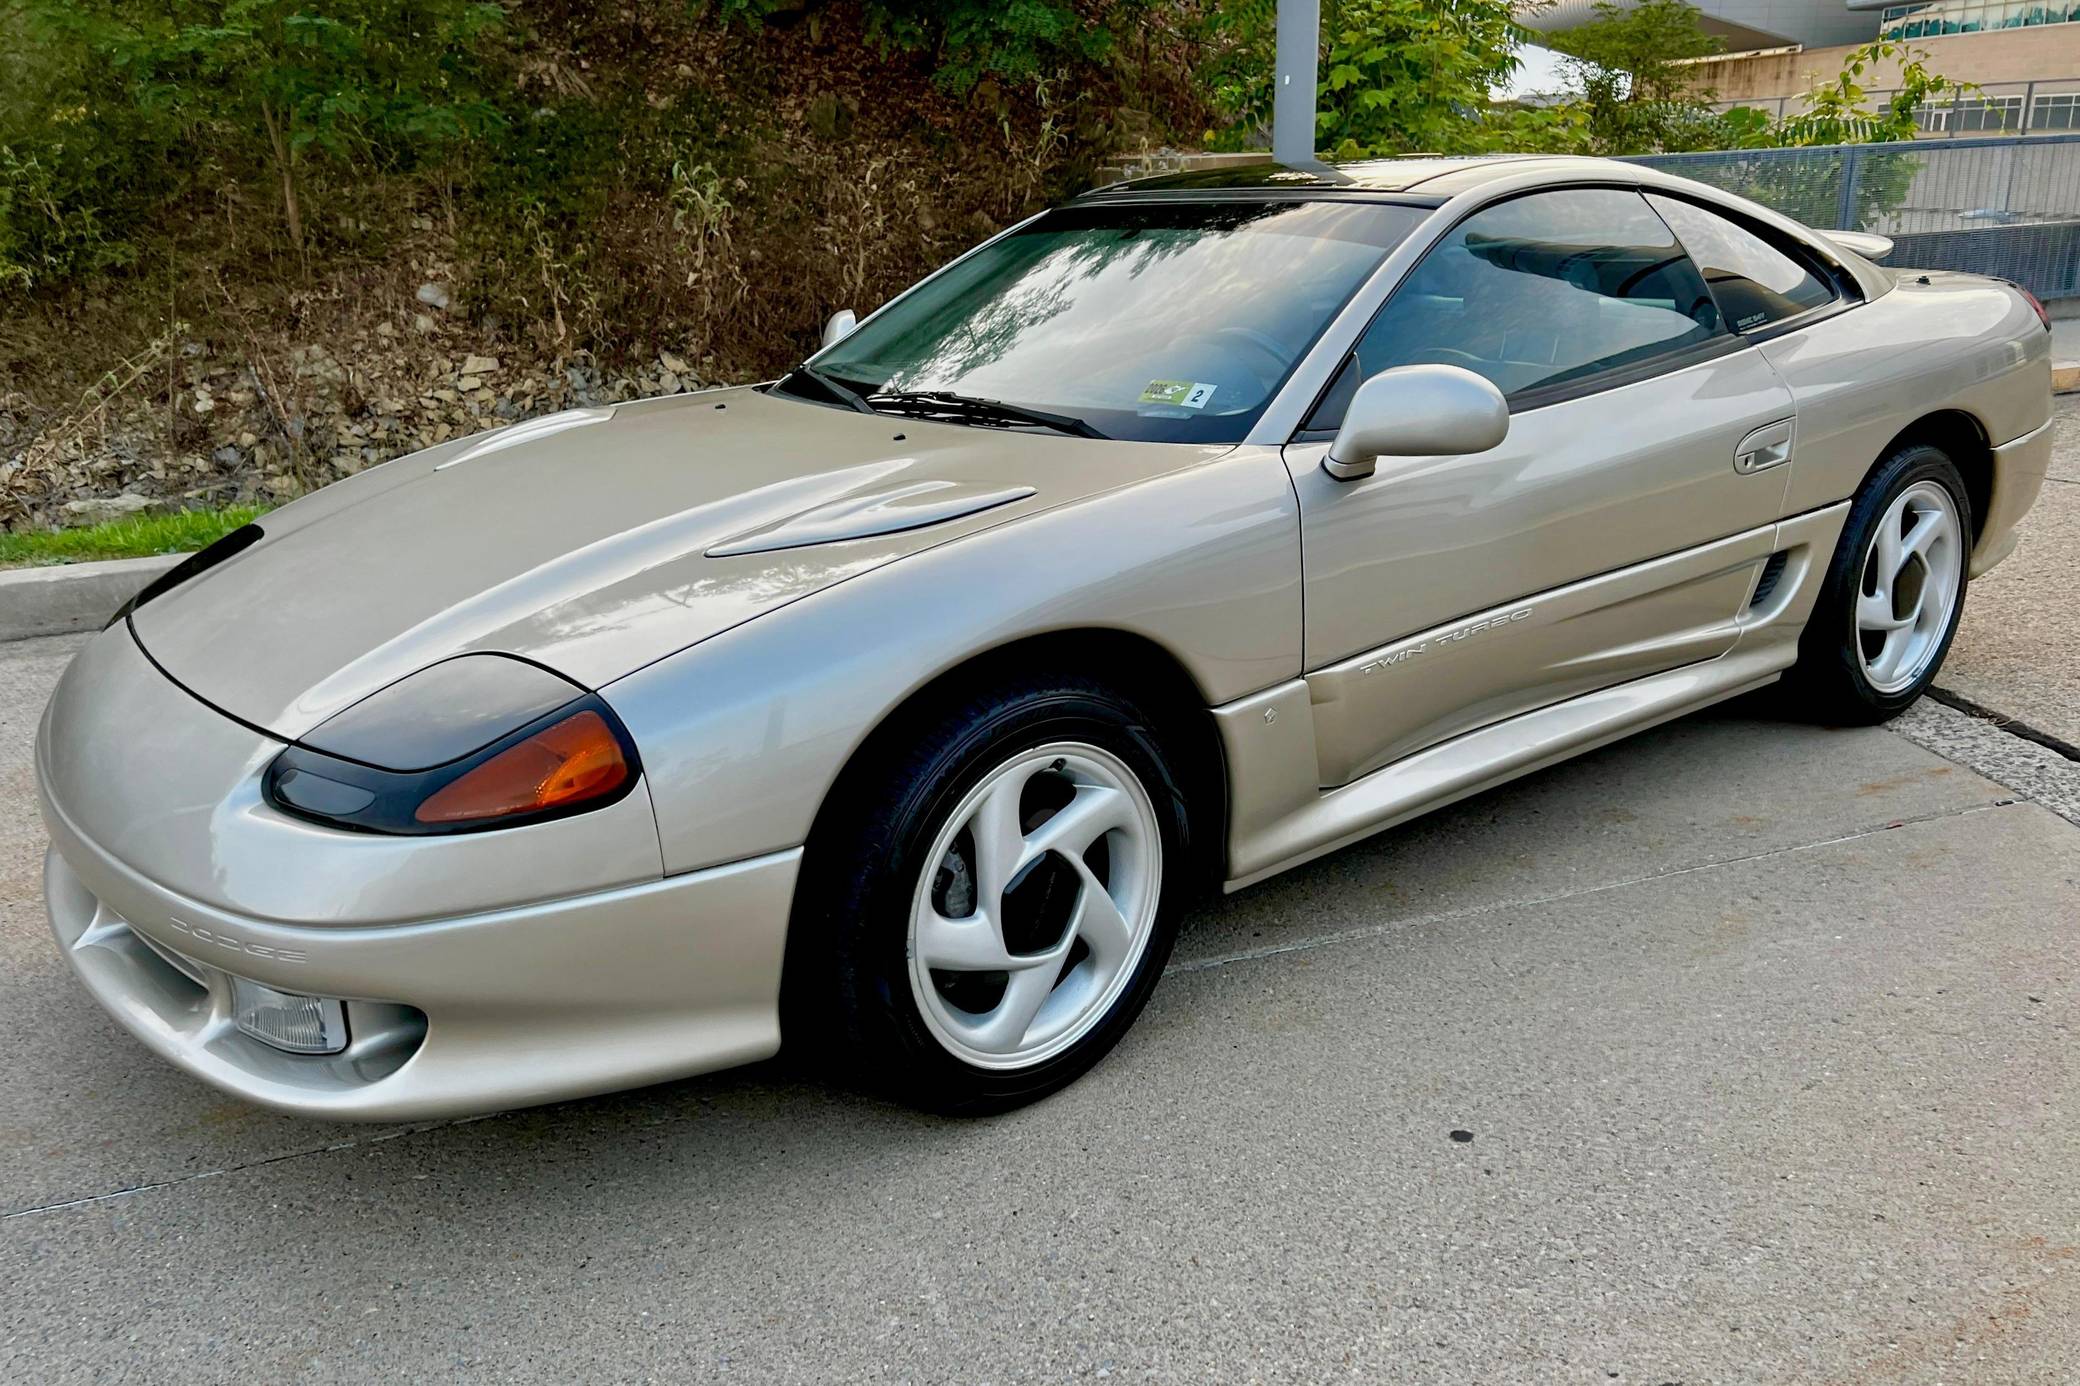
column 1369, row 175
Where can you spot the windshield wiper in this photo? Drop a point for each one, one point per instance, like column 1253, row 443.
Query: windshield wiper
column 988, row 412
column 836, row 389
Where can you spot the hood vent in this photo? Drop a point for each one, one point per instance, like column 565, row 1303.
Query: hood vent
column 528, row 432
column 882, row 512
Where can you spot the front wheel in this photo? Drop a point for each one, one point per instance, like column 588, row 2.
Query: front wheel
column 990, row 928
column 1889, row 606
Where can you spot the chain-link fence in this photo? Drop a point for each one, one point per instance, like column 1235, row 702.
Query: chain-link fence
column 2007, row 206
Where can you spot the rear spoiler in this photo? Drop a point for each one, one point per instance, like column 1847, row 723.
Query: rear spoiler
column 1864, row 243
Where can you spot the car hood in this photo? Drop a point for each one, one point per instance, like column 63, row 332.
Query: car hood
column 595, row 542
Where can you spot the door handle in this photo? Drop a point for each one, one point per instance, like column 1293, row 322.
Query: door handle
column 1765, row 447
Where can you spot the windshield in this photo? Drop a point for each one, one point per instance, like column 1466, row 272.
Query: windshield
column 1168, row 321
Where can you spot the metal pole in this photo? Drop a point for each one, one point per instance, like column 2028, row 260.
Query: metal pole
column 1292, row 106
column 2014, row 167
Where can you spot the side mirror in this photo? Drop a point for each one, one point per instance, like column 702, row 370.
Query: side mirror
column 840, row 326
column 1417, row 411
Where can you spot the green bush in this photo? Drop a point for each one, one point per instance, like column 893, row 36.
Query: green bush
column 1016, row 39
column 112, row 112
column 973, row 39
column 113, row 106
column 81, row 167
column 53, row 225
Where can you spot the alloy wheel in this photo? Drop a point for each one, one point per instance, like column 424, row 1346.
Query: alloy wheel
column 1907, row 597
column 1036, row 905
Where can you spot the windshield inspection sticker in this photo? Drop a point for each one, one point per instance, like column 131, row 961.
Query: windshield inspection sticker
column 1191, row 394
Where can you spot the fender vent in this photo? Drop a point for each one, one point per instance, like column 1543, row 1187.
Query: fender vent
column 1772, row 573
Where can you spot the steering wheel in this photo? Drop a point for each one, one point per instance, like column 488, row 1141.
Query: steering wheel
column 1262, row 341
column 1266, row 349
column 1447, row 356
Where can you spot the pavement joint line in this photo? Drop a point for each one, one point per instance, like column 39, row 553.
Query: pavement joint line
column 380, row 1138
column 2013, row 726
column 1363, row 932
column 2033, row 771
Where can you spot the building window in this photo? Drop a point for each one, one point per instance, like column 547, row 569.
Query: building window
column 1995, row 113
column 1968, row 17
column 1971, row 115
column 2056, row 111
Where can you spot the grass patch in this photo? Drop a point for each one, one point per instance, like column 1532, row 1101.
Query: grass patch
column 135, row 537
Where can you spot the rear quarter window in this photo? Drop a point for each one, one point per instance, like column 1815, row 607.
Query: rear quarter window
column 1757, row 284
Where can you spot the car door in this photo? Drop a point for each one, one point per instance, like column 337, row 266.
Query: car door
column 1777, row 293
column 1618, row 531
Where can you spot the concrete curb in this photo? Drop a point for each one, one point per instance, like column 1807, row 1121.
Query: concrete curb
column 72, row 596
column 2065, row 377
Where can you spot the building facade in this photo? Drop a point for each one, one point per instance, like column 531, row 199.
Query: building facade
column 2028, row 80
column 2024, row 55
column 1745, row 25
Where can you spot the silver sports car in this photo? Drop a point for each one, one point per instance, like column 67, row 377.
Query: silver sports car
column 896, row 710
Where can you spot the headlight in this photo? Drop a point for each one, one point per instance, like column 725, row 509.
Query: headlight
column 478, row 741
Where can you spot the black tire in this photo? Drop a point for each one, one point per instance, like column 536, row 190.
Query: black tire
column 1828, row 684
column 849, row 1002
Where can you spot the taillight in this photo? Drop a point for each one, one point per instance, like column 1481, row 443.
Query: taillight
column 2043, row 314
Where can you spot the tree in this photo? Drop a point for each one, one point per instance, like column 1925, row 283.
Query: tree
column 1808, row 186
column 1396, row 77
column 1404, row 76
column 1632, row 78
column 1835, row 111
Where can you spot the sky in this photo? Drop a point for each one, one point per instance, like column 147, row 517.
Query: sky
column 1539, row 72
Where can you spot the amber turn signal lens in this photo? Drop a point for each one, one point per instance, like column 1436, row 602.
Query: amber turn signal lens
column 575, row 760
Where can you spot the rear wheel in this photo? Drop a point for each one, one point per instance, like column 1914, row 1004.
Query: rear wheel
column 997, row 898
column 1893, row 595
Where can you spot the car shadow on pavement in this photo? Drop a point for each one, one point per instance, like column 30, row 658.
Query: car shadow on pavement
column 1717, row 787
column 1729, row 783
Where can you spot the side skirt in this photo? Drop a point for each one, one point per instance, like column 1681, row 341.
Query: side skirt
column 1279, row 817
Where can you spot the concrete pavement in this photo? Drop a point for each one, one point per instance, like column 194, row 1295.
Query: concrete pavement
column 1763, row 1036
column 2018, row 650
column 2065, row 352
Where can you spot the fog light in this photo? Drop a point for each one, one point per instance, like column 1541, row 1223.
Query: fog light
column 299, row 1024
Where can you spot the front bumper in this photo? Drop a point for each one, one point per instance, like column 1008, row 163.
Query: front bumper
column 445, row 1017
column 479, row 971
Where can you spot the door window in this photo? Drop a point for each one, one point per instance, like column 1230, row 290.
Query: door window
column 1544, row 295
column 1756, row 284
